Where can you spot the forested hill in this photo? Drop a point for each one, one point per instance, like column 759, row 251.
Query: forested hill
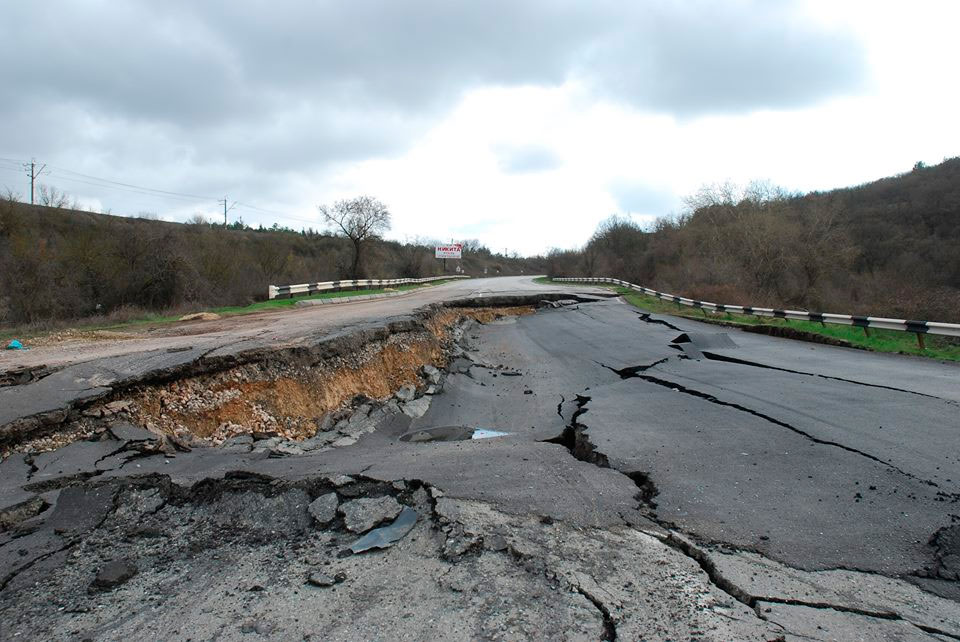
column 907, row 219
column 58, row 263
column 887, row 248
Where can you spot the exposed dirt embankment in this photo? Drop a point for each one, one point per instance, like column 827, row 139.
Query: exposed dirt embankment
column 292, row 399
column 288, row 393
column 288, row 399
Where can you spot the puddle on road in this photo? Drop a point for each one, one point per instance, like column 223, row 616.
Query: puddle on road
column 485, row 433
column 450, row 433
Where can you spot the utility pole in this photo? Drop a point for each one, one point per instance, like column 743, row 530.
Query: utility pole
column 226, row 209
column 33, row 173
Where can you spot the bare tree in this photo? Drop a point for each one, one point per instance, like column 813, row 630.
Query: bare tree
column 360, row 220
column 474, row 246
column 53, row 197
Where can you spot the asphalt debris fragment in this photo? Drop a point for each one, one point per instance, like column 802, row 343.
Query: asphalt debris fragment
column 113, row 574
column 324, row 508
column 387, row 536
column 360, row 515
column 323, row 580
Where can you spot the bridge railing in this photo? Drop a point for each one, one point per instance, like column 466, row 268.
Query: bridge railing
column 281, row 291
column 920, row 328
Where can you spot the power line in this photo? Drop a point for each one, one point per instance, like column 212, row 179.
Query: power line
column 140, row 187
column 259, row 209
column 105, row 183
column 33, row 173
column 226, row 209
column 130, row 190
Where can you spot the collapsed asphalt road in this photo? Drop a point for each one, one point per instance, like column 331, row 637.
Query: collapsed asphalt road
column 738, row 488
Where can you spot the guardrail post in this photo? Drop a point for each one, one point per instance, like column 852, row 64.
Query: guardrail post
column 920, row 341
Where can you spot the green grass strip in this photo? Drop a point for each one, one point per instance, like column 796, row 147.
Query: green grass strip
column 937, row 347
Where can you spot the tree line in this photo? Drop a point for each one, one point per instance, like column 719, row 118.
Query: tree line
column 60, row 264
column 886, row 248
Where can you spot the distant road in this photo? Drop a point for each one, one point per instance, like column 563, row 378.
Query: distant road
column 286, row 327
column 82, row 369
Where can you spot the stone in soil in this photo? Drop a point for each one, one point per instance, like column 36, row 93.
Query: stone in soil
column 406, row 393
column 323, row 580
column 128, row 432
column 239, row 440
column 417, row 407
column 360, row 515
column 432, row 374
column 113, row 574
column 324, row 508
column 340, row 480
column 288, row 448
column 318, row 441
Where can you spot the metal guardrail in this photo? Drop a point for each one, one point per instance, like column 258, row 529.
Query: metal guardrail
column 919, row 328
column 277, row 291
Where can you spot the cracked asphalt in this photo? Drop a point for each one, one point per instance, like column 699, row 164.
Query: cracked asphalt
column 741, row 488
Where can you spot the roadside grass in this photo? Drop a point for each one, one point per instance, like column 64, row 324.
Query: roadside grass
column 26, row 332
column 937, row 347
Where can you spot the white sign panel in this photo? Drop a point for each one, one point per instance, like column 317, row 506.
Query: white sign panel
column 452, row 251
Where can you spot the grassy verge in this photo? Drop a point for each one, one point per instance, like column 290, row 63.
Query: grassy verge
column 225, row 311
column 937, row 347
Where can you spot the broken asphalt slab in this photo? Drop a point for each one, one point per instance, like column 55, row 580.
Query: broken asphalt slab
column 513, row 577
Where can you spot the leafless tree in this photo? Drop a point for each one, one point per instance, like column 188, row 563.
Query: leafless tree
column 474, row 246
column 53, row 197
column 360, row 220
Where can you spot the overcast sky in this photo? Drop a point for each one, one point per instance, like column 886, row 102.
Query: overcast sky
column 522, row 123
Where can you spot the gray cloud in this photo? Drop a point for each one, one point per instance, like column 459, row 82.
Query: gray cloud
column 215, row 92
column 703, row 57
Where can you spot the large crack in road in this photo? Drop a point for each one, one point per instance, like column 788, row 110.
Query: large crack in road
column 636, row 372
column 677, row 387
column 536, row 531
column 577, row 441
column 743, row 362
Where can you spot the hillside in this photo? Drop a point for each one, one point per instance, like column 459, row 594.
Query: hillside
column 58, row 264
column 888, row 248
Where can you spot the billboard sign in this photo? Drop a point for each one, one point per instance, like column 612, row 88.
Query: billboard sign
column 452, row 251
